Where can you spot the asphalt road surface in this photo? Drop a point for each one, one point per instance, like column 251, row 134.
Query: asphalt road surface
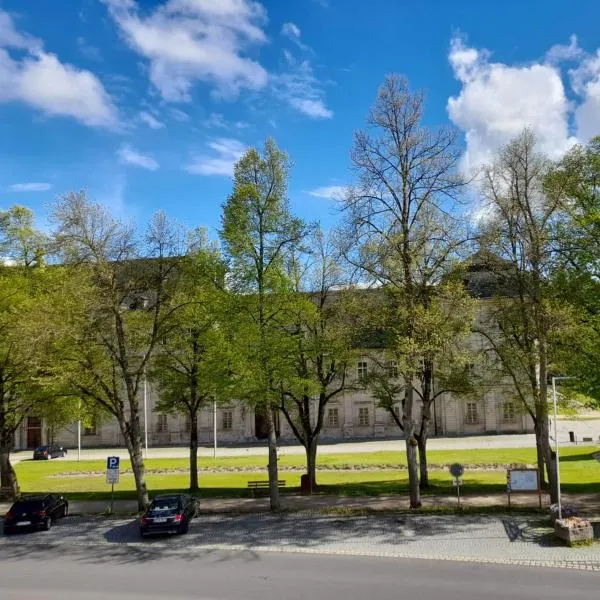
column 86, row 573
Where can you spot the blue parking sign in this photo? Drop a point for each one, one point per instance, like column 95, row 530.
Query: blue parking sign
column 112, row 462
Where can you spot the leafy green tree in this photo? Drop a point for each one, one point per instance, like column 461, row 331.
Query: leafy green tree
column 113, row 317
column 26, row 291
column 20, row 242
column 258, row 231
column 441, row 332
column 321, row 331
column 193, row 364
column 576, row 268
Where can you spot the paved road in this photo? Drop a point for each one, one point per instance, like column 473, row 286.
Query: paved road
column 98, row 574
column 589, row 428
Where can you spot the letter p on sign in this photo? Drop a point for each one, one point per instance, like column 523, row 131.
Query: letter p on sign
column 112, row 462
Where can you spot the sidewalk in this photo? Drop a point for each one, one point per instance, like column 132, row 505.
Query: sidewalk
column 588, row 504
column 500, row 539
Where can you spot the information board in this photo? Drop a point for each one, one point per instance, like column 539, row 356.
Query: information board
column 523, row 480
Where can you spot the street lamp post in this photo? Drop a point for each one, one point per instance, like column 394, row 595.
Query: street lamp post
column 556, row 444
column 145, row 414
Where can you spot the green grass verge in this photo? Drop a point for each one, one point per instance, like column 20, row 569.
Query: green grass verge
column 85, row 480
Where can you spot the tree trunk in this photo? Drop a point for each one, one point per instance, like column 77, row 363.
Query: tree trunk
column 273, row 470
column 540, row 457
column 411, row 449
column 194, row 451
column 311, row 463
column 550, row 462
column 422, row 447
column 133, row 439
column 9, row 488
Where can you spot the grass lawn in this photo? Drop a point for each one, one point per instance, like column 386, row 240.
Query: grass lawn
column 342, row 474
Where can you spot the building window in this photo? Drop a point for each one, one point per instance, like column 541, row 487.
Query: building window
column 333, row 417
column 362, row 369
column 471, row 414
column 227, row 419
column 162, row 425
column 91, row 429
column 391, row 368
column 363, row 416
column 187, row 424
column 509, row 414
column 396, row 411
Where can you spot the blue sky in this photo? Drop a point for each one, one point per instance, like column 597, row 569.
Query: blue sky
column 147, row 103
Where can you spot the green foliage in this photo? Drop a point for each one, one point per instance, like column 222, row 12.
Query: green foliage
column 20, row 242
column 193, row 364
column 258, row 233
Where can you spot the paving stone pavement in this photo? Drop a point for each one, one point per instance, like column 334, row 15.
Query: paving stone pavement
column 479, row 539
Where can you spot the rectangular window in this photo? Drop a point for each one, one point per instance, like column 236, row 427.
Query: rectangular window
column 363, row 416
column 471, row 414
column 396, row 410
column 392, row 369
column 91, row 429
column 333, row 417
column 362, row 369
column 162, row 425
column 509, row 414
column 227, row 419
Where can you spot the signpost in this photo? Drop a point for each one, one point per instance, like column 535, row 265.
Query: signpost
column 112, row 477
column 457, row 470
column 523, row 481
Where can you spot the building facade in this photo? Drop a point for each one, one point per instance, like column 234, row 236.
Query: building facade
column 351, row 415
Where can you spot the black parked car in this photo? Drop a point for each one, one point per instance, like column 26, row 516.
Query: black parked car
column 168, row 514
column 35, row 512
column 48, row 452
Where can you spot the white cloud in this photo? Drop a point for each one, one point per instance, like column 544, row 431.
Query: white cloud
column 292, row 31
column 565, row 52
column 218, row 121
column 128, row 156
column 179, row 115
column 585, row 80
column 151, row 120
column 497, row 101
column 299, row 87
column 331, row 192
column 196, row 40
column 40, row 80
column 90, row 52
column 227, row 152
column 11, row 38
column 30, row 187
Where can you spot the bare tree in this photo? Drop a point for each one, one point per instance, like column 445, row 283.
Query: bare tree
column 520, row 228
column 400, row 226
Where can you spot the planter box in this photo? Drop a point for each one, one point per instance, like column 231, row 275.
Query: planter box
column 573, row 533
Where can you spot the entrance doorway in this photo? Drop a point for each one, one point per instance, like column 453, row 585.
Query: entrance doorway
column 34, row 432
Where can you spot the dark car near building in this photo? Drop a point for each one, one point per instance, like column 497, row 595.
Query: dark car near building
column 35, row 512
column 170, row 513
column 48, row 452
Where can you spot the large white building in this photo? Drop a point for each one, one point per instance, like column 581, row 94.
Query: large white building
column 351, row 415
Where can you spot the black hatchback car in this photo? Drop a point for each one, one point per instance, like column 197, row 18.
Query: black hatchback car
column 168, row 514
column 48, row 452
column 35, row 512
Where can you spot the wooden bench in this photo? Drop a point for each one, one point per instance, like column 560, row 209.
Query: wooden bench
column 263, row 485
